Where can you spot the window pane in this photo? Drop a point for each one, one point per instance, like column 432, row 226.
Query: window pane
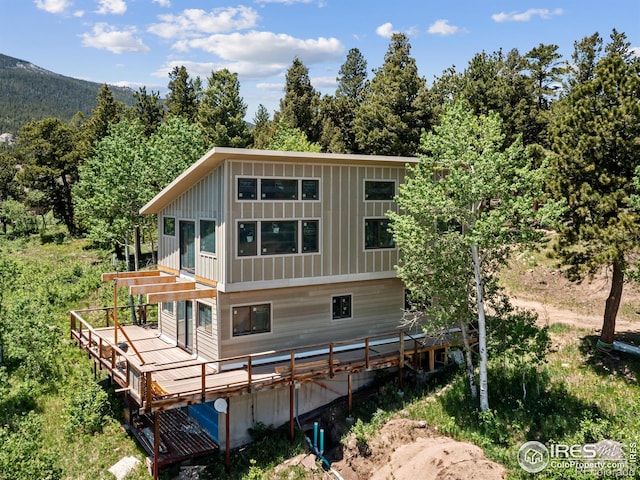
column 169, row 226
column 247, row 242
column 261, row 318
column 279, row 189
column 342, row 307
column 279, row 237
column 375, row 190
column 377, row 234
column 241, row 320
column 247, row 188
column 310, row 236
column 167, row 307
column 204, row 315
column 208, row 236
column 310, row 189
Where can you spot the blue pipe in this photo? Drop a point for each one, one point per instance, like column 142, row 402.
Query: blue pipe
column 321, row 441
column 315, row 434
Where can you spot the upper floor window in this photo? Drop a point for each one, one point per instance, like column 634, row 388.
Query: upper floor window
column 377, row 234
column 379, row 190
column 247, row 188
column 310, row 189
column 278, row 189
column 310, row 238
column 208, row 236
column 247, row 241
column 169, row 226
column 279, row 237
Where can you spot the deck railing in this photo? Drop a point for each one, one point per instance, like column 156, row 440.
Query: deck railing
column 262, row 369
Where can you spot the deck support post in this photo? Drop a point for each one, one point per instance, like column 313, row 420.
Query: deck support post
column 227, row 424
column 156, row 443
column 401, row 359
column 292, row 394
column 350, row 387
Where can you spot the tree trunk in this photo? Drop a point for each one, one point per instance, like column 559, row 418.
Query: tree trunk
column 612, row 305
column 137, row 248
column 482, row 333
column 469, row 360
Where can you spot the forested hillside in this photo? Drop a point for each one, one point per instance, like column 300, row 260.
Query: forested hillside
column 28, row 92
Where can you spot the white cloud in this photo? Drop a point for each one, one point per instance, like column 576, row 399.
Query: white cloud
column 112, row 7
column 163, row 3
column 105, row 37
column 192, row 22
column 636, row 51
column 245, row 70
column 442, row 27
column 53, row 6
column 525, row 16
column 78, row 13
column 269, row 48
column 385, row 30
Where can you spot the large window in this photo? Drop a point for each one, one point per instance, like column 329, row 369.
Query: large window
column 204, row 316
column 379, row 190
column 208, row 236
column 247, row 241
column 377, row 234
column 277, row 189
column 169, row 226
column 341, row 307
column 251, row 319
column 279, row 237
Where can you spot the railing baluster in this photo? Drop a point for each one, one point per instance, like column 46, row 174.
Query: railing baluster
column 331, row 360
column 249, row 372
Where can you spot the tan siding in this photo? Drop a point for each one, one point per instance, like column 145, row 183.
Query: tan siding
column 302, row 316
column 167, row 324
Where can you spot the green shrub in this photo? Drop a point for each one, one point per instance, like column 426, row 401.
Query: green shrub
column 87, row 409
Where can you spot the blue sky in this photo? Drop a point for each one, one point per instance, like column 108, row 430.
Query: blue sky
column 137, row 42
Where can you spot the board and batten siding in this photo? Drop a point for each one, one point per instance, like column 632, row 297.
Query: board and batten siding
column 203, row 201
column 303, row 315
column 341, row 211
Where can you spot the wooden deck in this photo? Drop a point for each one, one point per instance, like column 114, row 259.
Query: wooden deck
column 158, row 375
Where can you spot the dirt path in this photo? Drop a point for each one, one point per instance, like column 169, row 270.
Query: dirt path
column 548, row 315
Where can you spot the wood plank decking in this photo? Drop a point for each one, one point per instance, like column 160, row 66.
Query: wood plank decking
column 159, row 375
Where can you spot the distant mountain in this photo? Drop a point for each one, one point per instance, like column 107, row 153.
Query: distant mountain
column 28, row 92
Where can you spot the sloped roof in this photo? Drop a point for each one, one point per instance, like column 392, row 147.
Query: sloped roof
column 217, row 155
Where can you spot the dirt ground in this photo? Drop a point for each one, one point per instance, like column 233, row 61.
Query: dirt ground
column 409, row 450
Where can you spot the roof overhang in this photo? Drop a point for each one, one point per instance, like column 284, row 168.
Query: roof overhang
column 218, row 155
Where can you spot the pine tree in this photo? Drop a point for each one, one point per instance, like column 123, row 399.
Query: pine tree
column 148, row 110
column 299, row 106
column 393, row 113
column 262, row 128
column 221, row 112
column 594, row 132
column 338, row 112
column 184, row 94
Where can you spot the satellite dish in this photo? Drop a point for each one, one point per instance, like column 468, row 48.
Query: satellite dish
column 220, row 405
